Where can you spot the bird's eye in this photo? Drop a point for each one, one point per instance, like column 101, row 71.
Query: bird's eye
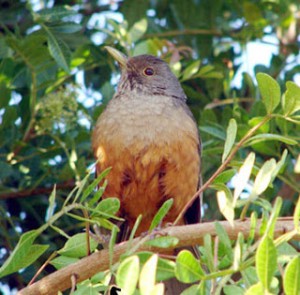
column 148, row 71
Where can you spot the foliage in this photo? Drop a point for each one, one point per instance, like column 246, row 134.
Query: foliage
column 54, row 72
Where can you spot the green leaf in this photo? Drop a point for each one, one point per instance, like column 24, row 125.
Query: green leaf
column 266, row 261
column 54, row 14
column 132, row 10
column 128, row 274
column 297, row 165
column 51, row 207
column 63, row 261
column 8, row 119
column 230, row 138
column 263, row 177
column 273, row 218
column 286, row 252
column 291, row 99
column 94, row 184
column 24, row 254
column 5, row 54
column 148, row 275
column 233, row 290
column 194, row 289
column 296, row 216
column 190, row 70
column 225, row 176
column 270, row 91
column 280, row 164
column 208, row 71
column 188, row 268
column 265, row 128
column 5, row 94
column 76, row 246
column 107, row 207
column 249, row 276
column 252, row 231
column 291, row 280
column 256, row 289
column 224, row 239
column 97, row 195
column 165, row 268
column 5, row 170
column 225, row 201
column 163, row 242
column 214, row 131
column 161, row 213
column 268, row 136
column 59, row 50
column 243, row 176
column 66, row 28
column 252, row 12
column 149, row 46
column 134, row 229
column 207, row 251
column 158, row 289
column 238, row 252
column 137, row 30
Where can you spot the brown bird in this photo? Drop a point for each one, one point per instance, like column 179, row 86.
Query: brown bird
column 149, row 137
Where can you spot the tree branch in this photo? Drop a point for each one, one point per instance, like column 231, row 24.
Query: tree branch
column 37, row 191
column 185, row 32
column 187, row 235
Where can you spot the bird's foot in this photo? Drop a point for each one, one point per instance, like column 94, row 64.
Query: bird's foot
column 100, row 237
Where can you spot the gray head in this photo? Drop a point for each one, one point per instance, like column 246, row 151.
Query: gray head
column 147, row 74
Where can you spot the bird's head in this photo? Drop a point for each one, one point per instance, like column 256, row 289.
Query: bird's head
column 146, row 74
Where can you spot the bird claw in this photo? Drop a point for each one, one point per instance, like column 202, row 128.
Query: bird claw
column 100, row 237
column 156, row 232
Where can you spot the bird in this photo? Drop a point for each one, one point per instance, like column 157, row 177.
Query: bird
column 150, row 139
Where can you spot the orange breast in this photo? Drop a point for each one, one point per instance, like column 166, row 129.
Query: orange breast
column 148, row 169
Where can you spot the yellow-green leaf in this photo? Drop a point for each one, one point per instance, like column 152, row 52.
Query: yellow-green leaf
column 291, row 280
column 266, row 261
column 188, row 268
column 148, row 275
column 230, row 138
column 243, row 176
column 269, row 90
column 128, row 274
column 291, row 99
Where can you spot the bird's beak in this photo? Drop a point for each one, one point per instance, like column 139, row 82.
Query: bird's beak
column 118, row 56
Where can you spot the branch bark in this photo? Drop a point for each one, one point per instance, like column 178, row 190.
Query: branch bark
column 187, row 235
column 36, row 191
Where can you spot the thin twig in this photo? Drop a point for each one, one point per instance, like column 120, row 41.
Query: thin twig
column 42, row 268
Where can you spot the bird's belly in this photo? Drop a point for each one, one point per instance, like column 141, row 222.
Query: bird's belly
column 153, row 155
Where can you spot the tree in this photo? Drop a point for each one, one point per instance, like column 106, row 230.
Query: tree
column 54, row 74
